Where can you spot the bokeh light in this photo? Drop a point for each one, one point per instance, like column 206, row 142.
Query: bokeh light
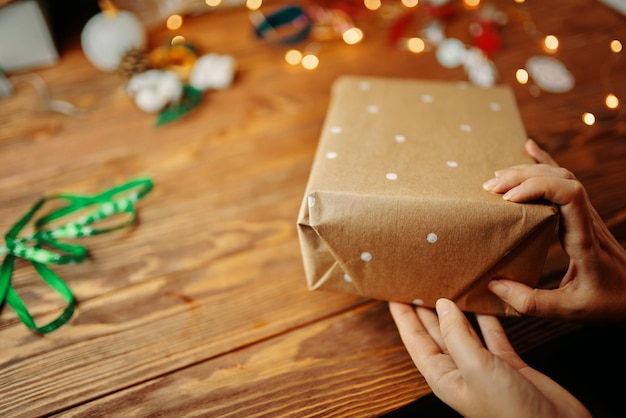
column 352, row 36
column 551, row 42
column 521, row 75
column 174, row 22
column 589, row 118
column 410, row 3
column 472, row 4
column 415, row 45
column 611, row 101
column 254, row 4
column 178, row 39
column 293, row 57
column 310, row 61
column 372, row 4
column 213, row 3
column 616, row 46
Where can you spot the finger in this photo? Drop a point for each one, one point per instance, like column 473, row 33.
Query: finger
column 429, row 319
column 496, row 340
column 538, row 153
column 508, row 178
column 414, row 335
column 424, row 351
column 555, row 189
column 536, row 302
column 577, row 215
column 462, row 342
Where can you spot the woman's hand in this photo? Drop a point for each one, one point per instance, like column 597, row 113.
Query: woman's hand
column 594, row 287
column 476, row 380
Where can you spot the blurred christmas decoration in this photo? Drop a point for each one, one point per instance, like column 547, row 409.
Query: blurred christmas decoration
column 7, row 86
column 190, row 99
column 154, row 13
column 213, row 71
column 177, row 57
column 170, row 79
column 330, row 23
column 153, row 90
column 108, row 35
column 176, row 80
column 133, row 61
column 421, row 26
column 414, row 26
column 550, row 74
column 286, row 25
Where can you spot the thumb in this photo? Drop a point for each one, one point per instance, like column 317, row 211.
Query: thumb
column 523, row 298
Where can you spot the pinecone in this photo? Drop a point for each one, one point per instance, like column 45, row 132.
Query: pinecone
column 134, row 61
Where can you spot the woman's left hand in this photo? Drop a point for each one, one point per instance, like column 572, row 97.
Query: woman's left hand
column 478, row 380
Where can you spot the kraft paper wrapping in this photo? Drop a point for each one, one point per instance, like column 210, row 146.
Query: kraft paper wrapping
column 394, row 208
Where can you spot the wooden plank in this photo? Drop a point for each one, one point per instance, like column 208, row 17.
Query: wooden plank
column 357, row 356
column 158, row 326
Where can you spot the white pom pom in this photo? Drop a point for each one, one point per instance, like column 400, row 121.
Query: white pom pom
column 155, row 89
column 451, row 52
column 149, row 101
column 213, row 71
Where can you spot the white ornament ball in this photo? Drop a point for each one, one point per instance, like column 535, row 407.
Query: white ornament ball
column 451, row 52
column 550, row 74
column 107, row 36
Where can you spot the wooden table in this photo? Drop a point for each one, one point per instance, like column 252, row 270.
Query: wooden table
column 202, row 309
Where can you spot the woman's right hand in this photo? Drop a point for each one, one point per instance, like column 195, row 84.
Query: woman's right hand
column 594, row 286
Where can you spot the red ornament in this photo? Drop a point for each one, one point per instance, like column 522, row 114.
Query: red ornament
column 399, row 27
column 487, row 38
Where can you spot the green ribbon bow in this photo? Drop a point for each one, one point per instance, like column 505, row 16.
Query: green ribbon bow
column 42, row 247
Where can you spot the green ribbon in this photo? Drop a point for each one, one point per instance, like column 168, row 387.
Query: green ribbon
column 42, row 246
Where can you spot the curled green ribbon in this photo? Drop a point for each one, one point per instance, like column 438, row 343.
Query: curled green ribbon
column 42, row 246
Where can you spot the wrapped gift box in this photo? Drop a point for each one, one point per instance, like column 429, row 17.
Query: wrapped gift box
column 394, row 208
column 26, row 39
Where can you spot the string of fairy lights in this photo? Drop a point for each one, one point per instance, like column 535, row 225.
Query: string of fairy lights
column 341, row 25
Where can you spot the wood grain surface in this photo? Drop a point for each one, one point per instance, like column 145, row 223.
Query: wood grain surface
column 202, row 308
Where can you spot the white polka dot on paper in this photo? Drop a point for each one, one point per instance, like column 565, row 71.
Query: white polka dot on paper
column 347, row 278
column 418, row 302
column 335, row 130
column 311, row 201
column 452, row 164
column 494, row 106
column 400, row 138
column 331, row 155
column 372, row 109
column 365, row 256
column 427, row 98
column 391, row 176
column 432, row 238
column 465, row 128
column 364, row 85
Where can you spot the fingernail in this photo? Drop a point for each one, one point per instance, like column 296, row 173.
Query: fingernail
column 499, row 288
column 443, row 307
column 491, row 183
column 511, row 193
